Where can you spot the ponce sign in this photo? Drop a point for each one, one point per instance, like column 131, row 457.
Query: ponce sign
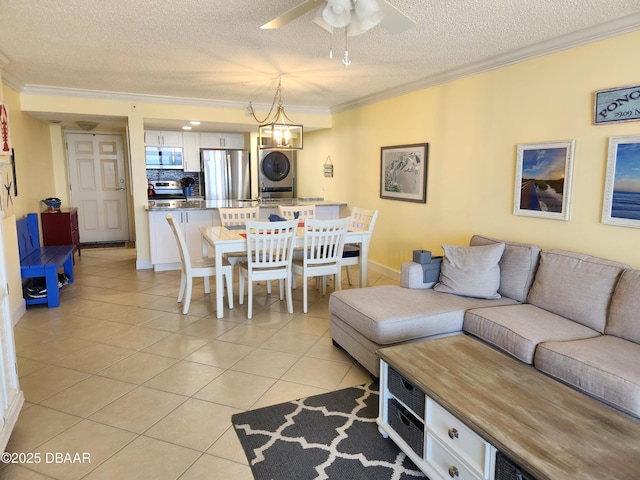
column 617, row 105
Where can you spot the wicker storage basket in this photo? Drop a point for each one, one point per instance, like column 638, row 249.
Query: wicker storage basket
column 507, row 470
column 406, row 392
column 407, row 426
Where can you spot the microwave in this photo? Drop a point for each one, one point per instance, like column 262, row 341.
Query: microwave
column 164, row 157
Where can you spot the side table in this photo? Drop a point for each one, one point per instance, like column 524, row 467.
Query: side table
column 61, row 228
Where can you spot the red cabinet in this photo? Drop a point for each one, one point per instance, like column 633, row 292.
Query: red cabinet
column 61, row 228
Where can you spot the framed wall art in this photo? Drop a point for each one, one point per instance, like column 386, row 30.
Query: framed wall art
column 621, row 204
column 543, row 179
column 5, row 138
column 7, row 196
column 403, row 172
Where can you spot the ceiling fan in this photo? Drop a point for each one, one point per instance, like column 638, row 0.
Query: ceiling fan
column 357, row 16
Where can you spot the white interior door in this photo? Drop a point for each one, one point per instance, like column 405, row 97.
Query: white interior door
column 98, row 186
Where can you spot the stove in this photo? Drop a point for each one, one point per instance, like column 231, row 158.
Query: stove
column 166, row 190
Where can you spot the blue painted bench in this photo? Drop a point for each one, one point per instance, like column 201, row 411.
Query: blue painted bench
column 42, row 262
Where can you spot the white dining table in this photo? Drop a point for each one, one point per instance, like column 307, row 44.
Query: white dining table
column 224, row 240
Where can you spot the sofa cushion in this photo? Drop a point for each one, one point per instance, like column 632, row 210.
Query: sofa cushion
column 605, row 367
column 517, row 266
column 624, row 314
column 575, row 286
column 390, row 314
column 518, row 329
column 471, row 271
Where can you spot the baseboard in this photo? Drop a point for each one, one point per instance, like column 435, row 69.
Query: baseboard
column 383, row 270
column 143, row 264
column 17, row 314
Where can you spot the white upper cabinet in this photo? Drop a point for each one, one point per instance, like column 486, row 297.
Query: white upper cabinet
column 222, row 140
column 157, row 138
column 191, row 151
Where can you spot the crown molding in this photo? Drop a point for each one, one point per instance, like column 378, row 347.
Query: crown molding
column 613, row 28
column 158, row 99
column 12, row 81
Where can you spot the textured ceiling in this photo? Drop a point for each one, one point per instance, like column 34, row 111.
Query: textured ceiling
column 215, row 50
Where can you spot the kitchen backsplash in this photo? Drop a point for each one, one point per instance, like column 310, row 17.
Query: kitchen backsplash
column 157, row 174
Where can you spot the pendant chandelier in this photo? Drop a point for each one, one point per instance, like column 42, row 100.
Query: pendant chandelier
column 274, row 131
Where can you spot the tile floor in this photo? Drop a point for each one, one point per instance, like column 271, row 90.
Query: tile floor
column 117, row 374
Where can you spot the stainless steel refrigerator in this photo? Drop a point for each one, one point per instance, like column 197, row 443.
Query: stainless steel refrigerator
column 227, row 174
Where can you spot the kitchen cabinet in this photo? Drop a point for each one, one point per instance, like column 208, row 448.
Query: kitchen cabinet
column 158, row 138
column 61, row 228
column 191, row 151
column 164, row 249
column 221, row 140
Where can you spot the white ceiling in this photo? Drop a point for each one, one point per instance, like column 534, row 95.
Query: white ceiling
column 214, row 50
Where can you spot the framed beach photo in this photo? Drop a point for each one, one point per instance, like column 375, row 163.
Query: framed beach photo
column 403, row 172
column 543, row 180
column 621, row 205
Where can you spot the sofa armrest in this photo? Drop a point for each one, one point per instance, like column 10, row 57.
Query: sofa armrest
column 412, row 276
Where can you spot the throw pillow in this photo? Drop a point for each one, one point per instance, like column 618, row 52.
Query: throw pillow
column 471, row 271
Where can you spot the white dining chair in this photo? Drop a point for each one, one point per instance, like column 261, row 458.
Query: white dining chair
column 288, row 212
column 361, row 219
column 191, row 269
column 237, row 217
column 323, row 244
column 269, row 252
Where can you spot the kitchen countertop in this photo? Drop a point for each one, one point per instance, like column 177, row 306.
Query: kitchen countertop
column 199, row 204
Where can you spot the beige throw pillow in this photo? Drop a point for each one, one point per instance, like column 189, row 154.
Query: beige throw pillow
column 471, row 271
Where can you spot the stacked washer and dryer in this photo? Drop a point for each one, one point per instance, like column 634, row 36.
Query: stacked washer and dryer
column 277, row 173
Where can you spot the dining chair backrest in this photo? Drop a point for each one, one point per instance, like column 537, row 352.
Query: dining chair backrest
column 182, row 244
column 270, row 244
column 324, row 241
column 363, row 219
column 288, row 212
column 237, row 216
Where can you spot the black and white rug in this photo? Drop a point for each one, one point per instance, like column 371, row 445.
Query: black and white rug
column 330, row 436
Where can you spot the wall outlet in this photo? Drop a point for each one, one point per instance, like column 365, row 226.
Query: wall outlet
column 323, row 187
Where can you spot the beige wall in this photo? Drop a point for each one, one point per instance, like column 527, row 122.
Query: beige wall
column 473, row 126
column 31, row 143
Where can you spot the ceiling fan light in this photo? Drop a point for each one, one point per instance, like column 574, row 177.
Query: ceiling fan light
column 337, row 13
column 319, row 20
column 368, row 15
column 366, row 8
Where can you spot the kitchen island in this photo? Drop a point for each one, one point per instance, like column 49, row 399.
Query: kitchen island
column 200, row 204
column 194, row 214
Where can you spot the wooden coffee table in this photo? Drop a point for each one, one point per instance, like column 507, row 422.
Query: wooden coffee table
column 547, row 428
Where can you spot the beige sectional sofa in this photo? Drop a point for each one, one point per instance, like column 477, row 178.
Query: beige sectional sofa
column 572, row 316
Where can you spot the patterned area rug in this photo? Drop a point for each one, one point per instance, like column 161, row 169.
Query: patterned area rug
column 329, row 436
